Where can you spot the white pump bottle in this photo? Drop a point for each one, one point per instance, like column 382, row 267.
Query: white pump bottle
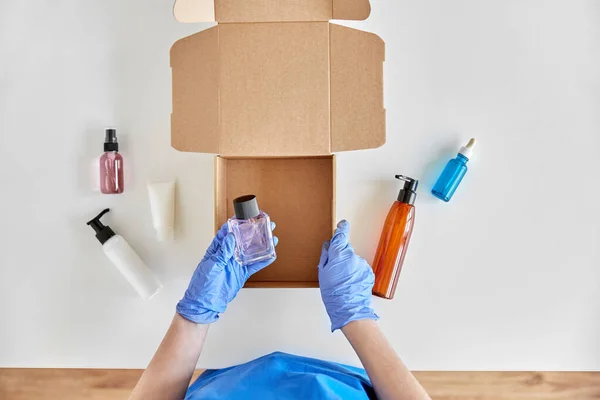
column 125, row 259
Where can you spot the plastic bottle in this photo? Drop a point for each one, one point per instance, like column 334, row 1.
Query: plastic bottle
column 252, row 230
column 111, row 165
column 162, row 206
column 125, row 259
column 394, row 240
column 453, row 174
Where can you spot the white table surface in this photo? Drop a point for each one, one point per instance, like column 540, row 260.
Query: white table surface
column 506, row 276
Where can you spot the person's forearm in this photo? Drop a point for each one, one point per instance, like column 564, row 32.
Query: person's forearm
column 389, row 376
column 170, row 371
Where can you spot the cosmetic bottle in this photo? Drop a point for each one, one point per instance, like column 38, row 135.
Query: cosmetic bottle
column 111, row 165
column 252, row 230
column 125, row 259
column 394, row 240
column 453, row 174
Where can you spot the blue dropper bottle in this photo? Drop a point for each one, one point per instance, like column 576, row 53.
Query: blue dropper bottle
column 453, row 174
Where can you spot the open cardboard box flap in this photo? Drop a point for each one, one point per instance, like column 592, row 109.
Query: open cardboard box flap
column 270, row 10
column 274, row 100
column 278, row 89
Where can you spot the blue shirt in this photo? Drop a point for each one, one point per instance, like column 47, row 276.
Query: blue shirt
column 283, row 376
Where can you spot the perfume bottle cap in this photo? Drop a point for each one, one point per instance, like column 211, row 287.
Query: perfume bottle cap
column 103, row 232
column 408, row 194
column 110, row 140
column 246, row 207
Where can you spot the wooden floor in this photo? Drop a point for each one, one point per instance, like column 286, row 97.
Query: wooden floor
column 79, row 384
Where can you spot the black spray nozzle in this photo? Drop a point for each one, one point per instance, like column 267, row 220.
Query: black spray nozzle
column 110, row 136
column 103, row 232
column 110, row 140
column 408, row 194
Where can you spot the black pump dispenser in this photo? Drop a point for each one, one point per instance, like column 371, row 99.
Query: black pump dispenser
column 103, row 233
column 408, row 194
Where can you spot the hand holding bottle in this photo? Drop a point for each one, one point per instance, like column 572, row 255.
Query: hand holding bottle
column 346, row 280
column 217, row 280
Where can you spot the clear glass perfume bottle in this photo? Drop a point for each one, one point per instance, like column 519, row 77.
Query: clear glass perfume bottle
column 111, row 165
column 252, row 230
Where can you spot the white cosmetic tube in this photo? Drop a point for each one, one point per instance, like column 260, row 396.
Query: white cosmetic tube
column 162, row 206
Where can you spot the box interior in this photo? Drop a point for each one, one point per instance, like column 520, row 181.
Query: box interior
column 298, row 195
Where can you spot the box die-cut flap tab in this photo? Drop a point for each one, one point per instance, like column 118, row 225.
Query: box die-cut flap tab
column 351, row 10
column 357, row 109
column 194, row 10
column 195, row 67
column 270, row 10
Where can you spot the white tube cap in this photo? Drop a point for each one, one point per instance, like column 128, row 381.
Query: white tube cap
column 164, row 233
column 467, row 150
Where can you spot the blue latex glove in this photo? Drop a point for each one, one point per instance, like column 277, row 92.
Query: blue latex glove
column 346, row 280
column 217, row 280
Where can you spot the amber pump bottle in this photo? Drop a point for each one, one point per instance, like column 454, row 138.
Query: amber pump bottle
column 394, row 240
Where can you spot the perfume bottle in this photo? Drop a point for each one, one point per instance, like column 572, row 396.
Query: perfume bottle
column 252, row 230
column 111, row 165
column 454, row 173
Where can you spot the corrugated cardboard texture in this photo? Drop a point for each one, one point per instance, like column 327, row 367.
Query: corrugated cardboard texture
column 274, row 89
column 298, row 195
column 195, row 64
column 227, row 11
column 357, row 113
column 272, row 10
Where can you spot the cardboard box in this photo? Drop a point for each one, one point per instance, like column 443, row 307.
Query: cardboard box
column 274, row 89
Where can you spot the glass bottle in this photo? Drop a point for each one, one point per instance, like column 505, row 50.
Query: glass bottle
column 453, row 174
column 252, row 230
column 394, row 240
column 111, row 165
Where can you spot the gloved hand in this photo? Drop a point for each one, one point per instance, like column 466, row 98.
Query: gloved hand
column 346, row 280
column 217, row 280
